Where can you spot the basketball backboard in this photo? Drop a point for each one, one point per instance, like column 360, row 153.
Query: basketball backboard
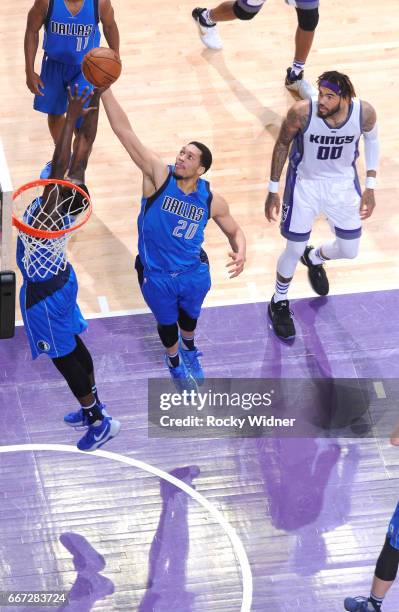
column 5, row 212
column 7, row 275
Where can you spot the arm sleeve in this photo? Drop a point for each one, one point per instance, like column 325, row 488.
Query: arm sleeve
column 371, row 148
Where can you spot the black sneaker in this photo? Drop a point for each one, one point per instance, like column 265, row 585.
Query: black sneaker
column 280, row 316
column 299, row 86
column 316, row 273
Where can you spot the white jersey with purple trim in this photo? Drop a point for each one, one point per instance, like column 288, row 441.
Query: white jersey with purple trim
column 324, row 152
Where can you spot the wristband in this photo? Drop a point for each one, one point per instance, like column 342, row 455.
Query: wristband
column 371, row 182
column 273, row 186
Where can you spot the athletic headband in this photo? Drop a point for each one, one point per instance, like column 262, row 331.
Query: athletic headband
column 333, row 86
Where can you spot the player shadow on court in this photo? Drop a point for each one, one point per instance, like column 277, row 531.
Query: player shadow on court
column 169, row 550
column 89, row 586
column 269, row 119
column 332, row 402
column 310, row 554
column 298, row 473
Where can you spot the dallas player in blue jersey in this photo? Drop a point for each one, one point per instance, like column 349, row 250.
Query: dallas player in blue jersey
column 52, row 318
column 307, row 16
column 172, row 268
column 70, row 30
column 321, row 137
column 385, row 572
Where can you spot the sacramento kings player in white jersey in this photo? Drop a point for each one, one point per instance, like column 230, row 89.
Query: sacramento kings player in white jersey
column 322, row 136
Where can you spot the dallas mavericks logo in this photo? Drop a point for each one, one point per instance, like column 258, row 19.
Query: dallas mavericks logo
column 42, row 345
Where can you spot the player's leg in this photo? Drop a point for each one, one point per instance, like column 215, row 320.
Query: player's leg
column 84, row 358
column 308, row 18
column 101, row 427
column 342, row 210
column 385, row 572
column 193, row 288
column 279, row 306
column 207, row 19
column 160, row 294
column 299, row 209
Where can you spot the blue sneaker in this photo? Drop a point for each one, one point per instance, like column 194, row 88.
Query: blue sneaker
column 192, row 363
column 182, row 378
column 77, row 419
column 45, row 173
column 97, row 436
column 358, row 604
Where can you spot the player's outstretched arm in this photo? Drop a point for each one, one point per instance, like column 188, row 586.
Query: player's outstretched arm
column 149, row 163
column 372, row 155
column 110, row 27
column 62, row 152
column 85, row 138
column 295, row 120
column 229, row 226
column 36, row 18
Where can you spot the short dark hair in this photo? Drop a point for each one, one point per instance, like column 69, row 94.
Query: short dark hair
column 342, row 81
column 206, row 155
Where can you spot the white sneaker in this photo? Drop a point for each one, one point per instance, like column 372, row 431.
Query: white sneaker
column 208, row 34
column 300, row 86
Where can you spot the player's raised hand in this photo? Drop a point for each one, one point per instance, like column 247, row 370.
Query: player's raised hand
column 235, row 266
column 35, row 84
column 76, row 101
column 272, row 206
column 367, row 203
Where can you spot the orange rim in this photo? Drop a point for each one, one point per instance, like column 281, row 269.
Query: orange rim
column 27, row 229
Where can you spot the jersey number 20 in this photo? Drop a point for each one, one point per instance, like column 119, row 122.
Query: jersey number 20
column 182, row 231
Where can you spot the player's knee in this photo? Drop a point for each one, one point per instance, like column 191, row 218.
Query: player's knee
column 73, row 372
column 169, row 334
column 308, row 19
column 295, row 249
column 348, row 249
column 186, row 322
column 388, row 563
column 241, row 13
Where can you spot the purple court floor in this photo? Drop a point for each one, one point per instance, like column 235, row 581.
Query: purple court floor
column 311, row 513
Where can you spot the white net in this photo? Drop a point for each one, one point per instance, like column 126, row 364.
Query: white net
column 56, row 209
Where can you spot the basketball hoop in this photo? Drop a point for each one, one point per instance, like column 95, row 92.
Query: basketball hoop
column 45, row 225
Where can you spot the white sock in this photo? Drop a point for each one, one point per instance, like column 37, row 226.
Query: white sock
column 281, row 291
column 297, row 67
column 316, row 257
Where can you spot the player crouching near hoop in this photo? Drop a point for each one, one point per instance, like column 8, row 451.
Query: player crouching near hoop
column 51, row 315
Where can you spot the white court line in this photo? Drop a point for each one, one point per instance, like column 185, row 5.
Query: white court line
column 218, row 304
column 247, row 585
column 103, row 303
column 379, row 390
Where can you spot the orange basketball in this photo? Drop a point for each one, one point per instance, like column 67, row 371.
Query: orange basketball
column 101, row 66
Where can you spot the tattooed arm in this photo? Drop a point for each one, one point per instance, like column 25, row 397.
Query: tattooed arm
column 371, row 151
column 295, row 121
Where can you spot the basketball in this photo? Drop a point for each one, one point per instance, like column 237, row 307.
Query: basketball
column 101, row 66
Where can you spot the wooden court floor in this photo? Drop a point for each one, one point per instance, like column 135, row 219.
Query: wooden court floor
column 233, row 100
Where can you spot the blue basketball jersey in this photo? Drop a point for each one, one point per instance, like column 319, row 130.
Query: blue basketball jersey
column 67, row 37
column 171, row 226
column 46, row 264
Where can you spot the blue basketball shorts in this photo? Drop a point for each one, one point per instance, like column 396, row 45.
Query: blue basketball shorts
column 393, row 529
column 52, row 323
column 56, row 77
column 166, row 293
